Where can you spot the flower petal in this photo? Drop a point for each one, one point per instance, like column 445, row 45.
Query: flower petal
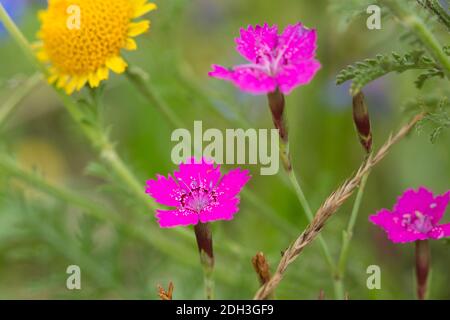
column 130, row 44
column 446, row 229
column 423, row 201
column 257, row 42
column 116, row 64
column 438, row 206
column 173, row 218
column 143, row 9
column 297, row 43
column 94, row 80
column 224, row 211
column 293, row 75
column 232, row 183
column 391, row 223
column 193, row 174
column 439, row 232
column 137, row 28
column 247, row 79
column 164, row 190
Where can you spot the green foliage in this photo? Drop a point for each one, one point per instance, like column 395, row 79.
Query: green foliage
column 362, row 73
column 435, row 8
column 347, row 11
column 437, row 118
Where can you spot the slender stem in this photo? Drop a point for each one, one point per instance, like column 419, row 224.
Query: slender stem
column 277, row 108
column 15, row 33
column 435, row 7
column 416, row 24
column 339, row 289
column 307, row 209
column 94, row 209
column 148, row 92
column 112, row 158
column 346, row 239
column 17, row 97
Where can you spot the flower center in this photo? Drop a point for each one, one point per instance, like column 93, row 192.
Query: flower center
column 101, row 34
column 417, row 222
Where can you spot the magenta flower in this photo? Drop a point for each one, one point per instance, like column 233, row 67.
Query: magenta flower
column 415, row 217
column 275, row 61
column 198, row 192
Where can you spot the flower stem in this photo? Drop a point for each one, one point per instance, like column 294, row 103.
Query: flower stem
column 416, row 24
column 15, row 33
column 435, row 7
column 423, row 263
column 277, row 106
column 147, row 91
column 307, row 209
column 347, row 237
column 17, row 96
column 203, row 236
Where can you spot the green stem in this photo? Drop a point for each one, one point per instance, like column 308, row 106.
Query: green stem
column 17, row 97
column 148, row 92
column 15, row 33
column 346, row 239
column 307, row 209
column 111, row 157
column 416, row 24
column 277, row 108
column 95, row 210
column 435, row 7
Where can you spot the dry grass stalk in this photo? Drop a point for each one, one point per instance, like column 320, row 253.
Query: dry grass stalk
column 328, row 208
column 163, row 295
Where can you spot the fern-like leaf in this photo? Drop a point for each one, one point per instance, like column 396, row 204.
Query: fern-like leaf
column 362, row 73
column 437, row 118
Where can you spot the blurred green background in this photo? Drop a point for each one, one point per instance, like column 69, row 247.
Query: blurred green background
column 41, row 233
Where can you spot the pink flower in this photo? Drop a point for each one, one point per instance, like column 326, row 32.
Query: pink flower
column 275, row 61
column 198, row 192
column 415, row 217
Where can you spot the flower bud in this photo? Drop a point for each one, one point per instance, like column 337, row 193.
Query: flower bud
column 423, row 262
column 277, row 104
column 362, row 121
column 204, row 242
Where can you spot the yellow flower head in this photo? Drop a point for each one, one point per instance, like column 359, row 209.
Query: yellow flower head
column 81, row 40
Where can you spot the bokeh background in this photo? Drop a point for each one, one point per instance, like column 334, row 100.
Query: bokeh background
column 44, row 229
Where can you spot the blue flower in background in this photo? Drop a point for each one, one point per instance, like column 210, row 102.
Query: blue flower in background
column 15, row 9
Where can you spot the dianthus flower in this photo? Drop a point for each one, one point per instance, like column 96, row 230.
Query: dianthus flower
column 198, row 192
column 415, row 216
column 280, row 62
column 84, row 53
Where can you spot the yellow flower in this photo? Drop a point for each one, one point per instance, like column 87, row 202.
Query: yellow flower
column 81, row 40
